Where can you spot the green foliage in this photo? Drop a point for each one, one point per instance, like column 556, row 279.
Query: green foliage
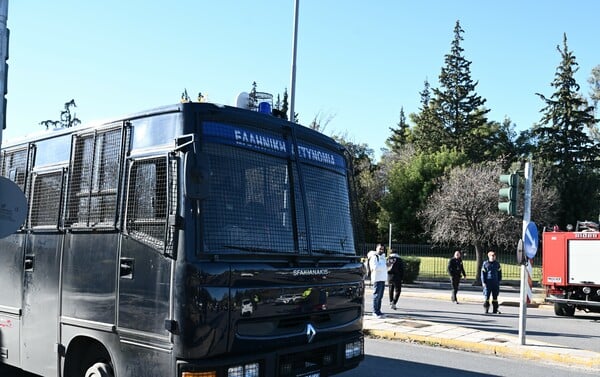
column 454, row 114
column 412, row 266
column 367, row 189
column 400, row 134
column 456, row 105
column 561, row 133
column 428, row 133
column 410, row 182
column 501, row 142
column 563, row 142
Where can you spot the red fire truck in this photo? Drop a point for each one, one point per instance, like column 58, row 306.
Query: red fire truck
column 571, row 268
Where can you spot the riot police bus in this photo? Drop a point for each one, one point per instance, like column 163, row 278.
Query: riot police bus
column 162, row 244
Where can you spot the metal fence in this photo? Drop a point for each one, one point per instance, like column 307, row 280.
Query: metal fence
column 434, row 260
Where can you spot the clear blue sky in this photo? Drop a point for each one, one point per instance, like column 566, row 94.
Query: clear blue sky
column 358, row 62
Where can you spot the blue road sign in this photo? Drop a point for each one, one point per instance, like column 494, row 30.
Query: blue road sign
column 530, row 240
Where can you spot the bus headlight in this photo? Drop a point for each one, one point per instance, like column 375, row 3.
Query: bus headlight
column 353, row 349
column 248, row 370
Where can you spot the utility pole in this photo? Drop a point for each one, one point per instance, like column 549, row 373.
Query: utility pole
column 3, row 64
column 390, row 238
column 293, row 78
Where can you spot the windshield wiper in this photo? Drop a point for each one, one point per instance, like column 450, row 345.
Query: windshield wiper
column 252, row 249
column 326, row 251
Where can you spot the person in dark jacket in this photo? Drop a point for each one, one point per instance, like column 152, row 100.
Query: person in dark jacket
column 491, row 276
column 395, row 277
column 456, row 270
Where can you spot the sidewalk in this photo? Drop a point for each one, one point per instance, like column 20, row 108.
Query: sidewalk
column 456, row 337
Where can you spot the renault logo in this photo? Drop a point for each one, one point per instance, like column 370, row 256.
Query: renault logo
column 310, row 332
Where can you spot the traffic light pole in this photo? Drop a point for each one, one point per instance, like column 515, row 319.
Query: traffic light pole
column 524, row 278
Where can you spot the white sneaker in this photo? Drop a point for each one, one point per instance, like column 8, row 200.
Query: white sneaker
column 394, row 307
column 380, row 316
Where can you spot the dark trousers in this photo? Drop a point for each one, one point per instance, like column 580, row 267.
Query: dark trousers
column 492, row 289
column 455, row 282
column 395, row 290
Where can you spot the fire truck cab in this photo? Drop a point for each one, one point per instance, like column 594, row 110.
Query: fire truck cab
column 571, row 268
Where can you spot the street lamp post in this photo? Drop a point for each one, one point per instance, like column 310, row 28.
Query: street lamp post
column 293, row 78
column 3, row 65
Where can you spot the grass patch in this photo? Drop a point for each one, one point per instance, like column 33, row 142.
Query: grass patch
column 435, row 267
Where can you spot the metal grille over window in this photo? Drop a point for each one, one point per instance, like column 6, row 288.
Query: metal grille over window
column 249, row 207
column 172, row 199
column 328, row 210
column 46, row 200
column 94, row 181
column 147, row 203
column 14, row 166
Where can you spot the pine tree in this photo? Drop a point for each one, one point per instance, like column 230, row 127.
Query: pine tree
column 456, row 105
column 561, row 132
column 563, row 143
column 400, row 133
column 285, row 106
column 252, row 100
column 428, row 134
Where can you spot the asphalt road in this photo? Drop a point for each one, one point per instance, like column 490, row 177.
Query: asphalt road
column 394, row 358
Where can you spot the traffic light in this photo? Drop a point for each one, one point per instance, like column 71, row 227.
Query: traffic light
column 508, row 195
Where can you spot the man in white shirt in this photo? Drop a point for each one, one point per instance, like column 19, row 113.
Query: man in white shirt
column 378, row 267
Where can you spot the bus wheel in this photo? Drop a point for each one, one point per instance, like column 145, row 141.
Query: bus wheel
column 99, row 370
column 564, row 310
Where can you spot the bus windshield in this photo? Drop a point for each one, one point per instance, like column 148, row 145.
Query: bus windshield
column 256, row 202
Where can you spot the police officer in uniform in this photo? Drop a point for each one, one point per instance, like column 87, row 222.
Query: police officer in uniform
column 491, row 276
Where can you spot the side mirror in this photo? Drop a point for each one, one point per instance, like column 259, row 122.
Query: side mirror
column 197, row 172
column 14, row 207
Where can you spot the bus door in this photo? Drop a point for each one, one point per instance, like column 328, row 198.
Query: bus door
column 147, row 257
column 41, row 272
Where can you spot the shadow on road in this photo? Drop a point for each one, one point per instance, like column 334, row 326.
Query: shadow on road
column 405, row 368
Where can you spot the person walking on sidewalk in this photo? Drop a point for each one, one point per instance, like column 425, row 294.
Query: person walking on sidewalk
column 395, row 266
column 456, row 270
column 378, row 267
column 491, row 276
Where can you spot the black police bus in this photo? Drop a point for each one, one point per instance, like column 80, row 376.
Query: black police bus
column 193, row 240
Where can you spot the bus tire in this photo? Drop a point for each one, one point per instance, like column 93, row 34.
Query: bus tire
column 100, row 370
column 564, row 310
